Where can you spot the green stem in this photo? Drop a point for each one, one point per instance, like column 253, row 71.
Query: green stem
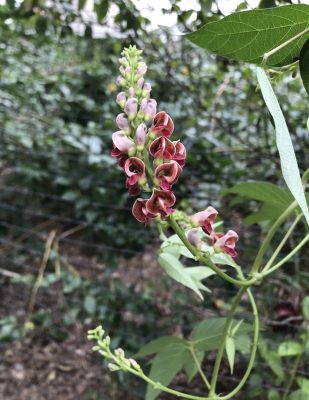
column 282, row 243
column 292, row 377
column 223, row 340
column 206, row 260
column 253, row 350
column 269, row 236
column 290, row 255
column 198, row 366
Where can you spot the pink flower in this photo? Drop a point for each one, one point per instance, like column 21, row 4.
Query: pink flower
column 140, row 133
column 162, row 147
column 163, row 124
column 148, row 108
column 121, row 142
column 135, row 170
column 180, row 155
column 227, row 243
column 161, row 202
column 131, row 107
column 146, row 89
column 168, row 174
column 140, row 82
column 121, row 157
column 206, row 219
column 140, row 211
column 131, row 92
column 122, row 121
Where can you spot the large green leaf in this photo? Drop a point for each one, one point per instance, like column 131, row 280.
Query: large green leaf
column 304, row 65
column 289, row 167
column 157, row 345
column 189, row 363
column 262, row 191
column 248, row 35
column 164, row 367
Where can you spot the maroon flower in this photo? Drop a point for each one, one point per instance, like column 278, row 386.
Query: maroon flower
column 226, row 243
column 162, row 124
column 121, row 157
column 135, row 170
column 161, row 202
column 168, row 174
column 162, row 147
column 206, row 219
column 180, row 154
column 140, row 211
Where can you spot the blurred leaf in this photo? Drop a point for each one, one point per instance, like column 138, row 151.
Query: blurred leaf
column 305, row 307
column 272, row 359
column 81, row 4
column 298, row 395
column 303, row 65
column 289, row 167
column 230, row 352
column 273, row 394
column 248, row 35
column 101, row 8
column 165, row 367
column 303, row 384
column 157, row 345
column 90, row 304
column 290, row 348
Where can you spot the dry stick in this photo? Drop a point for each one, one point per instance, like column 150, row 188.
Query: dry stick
column 42, row 268
column 9, row 274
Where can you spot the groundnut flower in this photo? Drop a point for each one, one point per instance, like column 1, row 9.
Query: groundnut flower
column 131, row 92
column 141, row 133
column 161, row 202
column 121, row 99
column 194, row 238
column 141, row 69
column 122, row 142
column 122, row 121
column 140, row 82
column 121, row 157
column 206, row 219
column 168, row 174
column 180, row 154
column 148, row 108
column 131, row 107
column 226, row 243
column 162, row 147
column 163, row 124
column 134, row 169
column 140, row 212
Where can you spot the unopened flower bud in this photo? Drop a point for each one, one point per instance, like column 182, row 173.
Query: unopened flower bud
column 194, row 238
column 141, row 133
column 131, row 107
column 127, row 71
column 120, row 353
column 141, row 69
column 146, row 89
column 140, row 82
column 132, row 152
column 112, row 367
column 121, row 99
column 131, row 92
column 123, row 61
column 120, row 80
column 134, row 364
column 122, row 121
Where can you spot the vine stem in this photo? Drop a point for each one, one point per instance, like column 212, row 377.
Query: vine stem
column 290, row 255
column 207, row 260
column 281, row 244
column 269, row 236
column 226, row 328
column 198, row 366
